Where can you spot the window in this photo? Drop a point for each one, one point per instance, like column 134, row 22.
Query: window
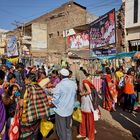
column 57, row 33
column 51, row 35
column 135, row 11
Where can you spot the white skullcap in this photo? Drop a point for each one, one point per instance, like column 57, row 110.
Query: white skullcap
column 64, row 72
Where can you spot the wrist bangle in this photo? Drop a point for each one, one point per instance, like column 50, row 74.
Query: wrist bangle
column 11, row 98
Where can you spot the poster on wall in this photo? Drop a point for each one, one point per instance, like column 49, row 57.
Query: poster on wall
column 12, row 49
column 103, row 30
column 79, row 40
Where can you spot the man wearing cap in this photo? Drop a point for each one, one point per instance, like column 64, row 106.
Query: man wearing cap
column 63, row 99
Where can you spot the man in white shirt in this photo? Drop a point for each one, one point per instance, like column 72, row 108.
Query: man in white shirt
column 63, row 99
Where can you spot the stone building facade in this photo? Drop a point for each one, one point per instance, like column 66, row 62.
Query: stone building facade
column 52, row 27
column 2, row 41
column 132, row 25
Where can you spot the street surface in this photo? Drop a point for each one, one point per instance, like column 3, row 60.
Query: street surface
column 117, row 125
column 104, row 132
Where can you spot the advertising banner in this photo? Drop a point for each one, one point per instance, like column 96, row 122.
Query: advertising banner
column 103, row 52
column 12, row 49
column 103, row 30
column 79, row 40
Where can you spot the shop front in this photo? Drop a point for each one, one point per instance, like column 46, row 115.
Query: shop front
column 134, row 45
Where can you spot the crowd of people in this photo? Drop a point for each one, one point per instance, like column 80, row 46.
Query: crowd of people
column 30, row 94
column 121, row 88
column 27, row 96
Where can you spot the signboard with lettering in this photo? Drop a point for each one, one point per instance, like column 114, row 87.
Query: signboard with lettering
column 103, row 30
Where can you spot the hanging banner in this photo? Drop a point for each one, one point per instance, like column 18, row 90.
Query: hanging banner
column 79, row 40
column 12, row 49
column 13, row 60
column 102, row 52
column 103, row 30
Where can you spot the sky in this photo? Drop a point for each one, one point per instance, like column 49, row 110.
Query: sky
column 24, row 11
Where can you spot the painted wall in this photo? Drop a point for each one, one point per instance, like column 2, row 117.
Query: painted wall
column 129, row 14
column 39, row 36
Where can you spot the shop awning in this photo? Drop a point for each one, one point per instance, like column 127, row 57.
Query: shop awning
column 135, row 42
column 118, row 56
column 125, row 54
column 106, row 57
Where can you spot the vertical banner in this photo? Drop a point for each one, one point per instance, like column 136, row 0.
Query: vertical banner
column 103, row 30
column 12, row 49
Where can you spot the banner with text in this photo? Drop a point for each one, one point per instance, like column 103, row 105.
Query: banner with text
column 103, row 30
column 12, row 49
column 79, row 40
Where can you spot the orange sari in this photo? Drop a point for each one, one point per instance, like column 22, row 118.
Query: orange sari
column 110, row 93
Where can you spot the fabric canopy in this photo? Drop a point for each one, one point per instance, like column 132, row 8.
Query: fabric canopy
column 118, row 56
column 106, row 57
column 125, row 54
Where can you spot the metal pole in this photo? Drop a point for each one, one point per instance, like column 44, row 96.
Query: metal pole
column 65, row 43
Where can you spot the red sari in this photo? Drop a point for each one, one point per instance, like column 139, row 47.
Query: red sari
column 110, row 93
column 87, row 126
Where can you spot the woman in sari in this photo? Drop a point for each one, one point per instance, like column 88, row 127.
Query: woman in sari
column 110, row 92
column 54, row 80
column 87, row 126
column 2, row 109
column 41, row 75
column 35, row 108
column 129, row 91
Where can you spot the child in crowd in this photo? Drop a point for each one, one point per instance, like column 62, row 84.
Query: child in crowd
column 14, row 95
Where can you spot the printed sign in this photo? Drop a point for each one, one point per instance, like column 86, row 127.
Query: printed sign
column 103, row 30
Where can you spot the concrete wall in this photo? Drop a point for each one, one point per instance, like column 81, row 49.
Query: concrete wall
column 2, row 41
column 39, row 36
column 47, row 30
column 133, row 33
column 129, row 14
column 132, row 30
column 71, row 16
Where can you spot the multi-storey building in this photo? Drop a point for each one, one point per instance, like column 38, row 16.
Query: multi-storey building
column 45, row 36
column 132, row 25
column 2, row 41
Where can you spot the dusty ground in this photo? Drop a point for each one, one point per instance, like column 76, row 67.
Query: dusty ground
column 117, row 125
column 104, row 132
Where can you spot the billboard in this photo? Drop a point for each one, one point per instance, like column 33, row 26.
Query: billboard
column 103, row 30
column 12, row 49
column 79, row 40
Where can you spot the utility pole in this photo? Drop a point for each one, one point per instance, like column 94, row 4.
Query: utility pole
column 20, row 29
